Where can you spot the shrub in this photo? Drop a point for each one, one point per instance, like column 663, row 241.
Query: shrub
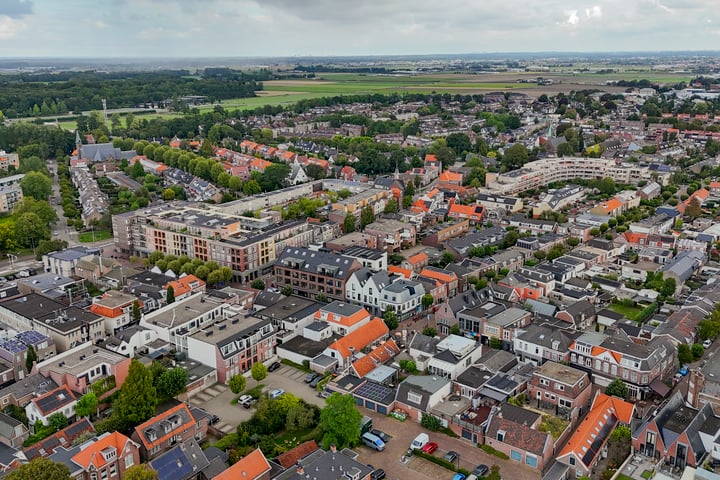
column 436, row 460
column 492, row 451
column 430, row 422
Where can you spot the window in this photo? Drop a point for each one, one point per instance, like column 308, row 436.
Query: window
column 103, row 474
column 572, row 460
column 501, row 435
column 113, row 470
column 414, row 397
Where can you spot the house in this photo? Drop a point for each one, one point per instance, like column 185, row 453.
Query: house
column 322, row 464
column 392, row 235
column 445, row 277
column 63, row 438
column 446, row 314
column 539, row 343
column 473, row 213
column 683, row 266
column 583, row 449
column 14, row 352
column 185, row 286
column 108, row 457
column 580, row 314
column 561, row 387
column 185, row 461
column 84, row 365
column 377, row 357
column 504, row 324
column 64, row 262
column 116, row 308
column 404, row 297
column 20, row 394
column 514, row 431
column 165, row 430
column 416, row 262
column 343, row 349
column 343, row 317
column 12, row 431
column 311, row 273
column 59, row 400
column 418, row 394
column 375, row 260
column 421, row 349
column 453, row 355
column 253, row 466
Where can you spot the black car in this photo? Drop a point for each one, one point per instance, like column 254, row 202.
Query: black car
column 315, row 381
column 274, row 366
column 213, row 419
column 451, row 456
column 310, row 377
column 378, row 474
column 379, row 433
column 481, row 470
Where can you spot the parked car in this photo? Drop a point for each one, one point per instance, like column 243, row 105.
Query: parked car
column 274, row 366
column 430, row 447
column 684, row 370
column 459, row 476
column 213, row 419
column 245, row 399
column 324, row 393
column 275, row 393
column 451, row 456
column 481, row 470
column 707, row 343
column 378, row 474
column 310, row 377
column 23, row 273
column 379, row 433
column 315, row 381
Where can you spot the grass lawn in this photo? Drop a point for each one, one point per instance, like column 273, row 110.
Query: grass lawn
column 647, row 474
column 555, row 426
column 623, row 477
column 631, row 313
column 94, row 237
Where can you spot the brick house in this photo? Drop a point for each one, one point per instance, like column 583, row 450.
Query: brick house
column 253, row 466
column 108, row 457
column 311, row 273
column 514, row 431
column 167, row 429
column 563, row 388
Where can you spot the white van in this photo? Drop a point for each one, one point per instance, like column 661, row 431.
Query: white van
column 373, row 441
column 420, row 441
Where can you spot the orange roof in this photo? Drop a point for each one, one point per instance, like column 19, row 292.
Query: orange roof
column 467, row 210
column 714, row 185
column 448, row 176
column 92, row 454
column 251, row 466
column 441, row 276
column 157, row 418
column 430, row 158
column 376, row 357
column 405, row 272
column 291, row 457
column 260, row 164
column 611, row 205
column 185, row 284
column 417, row 258
column 633, row 237
column 702, row 195
column 360, row 338
column 357, row 316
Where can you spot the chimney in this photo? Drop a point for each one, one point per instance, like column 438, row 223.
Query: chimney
column 333, row 448
column 299, row 469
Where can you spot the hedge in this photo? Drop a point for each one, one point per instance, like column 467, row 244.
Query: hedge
column 290, row 363
column 492, row 451
column 436, row 460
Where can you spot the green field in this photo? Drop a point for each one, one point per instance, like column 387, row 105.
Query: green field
column 87, row 237
column 631, row 313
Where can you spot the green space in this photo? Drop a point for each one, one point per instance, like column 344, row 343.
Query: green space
column 646, row 474
column 630, row 312
column 555, row 426
column 97, row 236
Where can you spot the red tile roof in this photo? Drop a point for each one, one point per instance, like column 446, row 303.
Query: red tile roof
column 360, row 338
column 291, row 457
column 378, row 356
column 250, row 467
column 92, row 454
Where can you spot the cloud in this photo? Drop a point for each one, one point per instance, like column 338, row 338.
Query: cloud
column 594, row 11
column 572, row 17
column 100, row 24
column 16, row 8
column 9, row 27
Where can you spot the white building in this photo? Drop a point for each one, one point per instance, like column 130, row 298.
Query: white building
column 454, row 355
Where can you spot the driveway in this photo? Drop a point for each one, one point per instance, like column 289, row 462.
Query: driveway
column 216, row 401
column 292, row 381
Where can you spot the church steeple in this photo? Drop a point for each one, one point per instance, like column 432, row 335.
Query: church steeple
column 397, row 171
column 78, row 142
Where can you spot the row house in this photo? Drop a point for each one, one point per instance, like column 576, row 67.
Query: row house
column 562, row 388
column 344, row 349
column 403, row 297
column 608, row 357
column 538, row 343
column 311, row 273
column 342, row 317
column 473, row 213
column 61, row 439
column 116, row 308
column 14, row 351
column 442, row 276
column 524, row 224
column 364, row 287
column 504, row 325
column 418, row 394
column 453, row 355
column 471, row 320
column 108, row 456
column 232, row 346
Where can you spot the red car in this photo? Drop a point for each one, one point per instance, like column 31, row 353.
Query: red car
column 430, row 447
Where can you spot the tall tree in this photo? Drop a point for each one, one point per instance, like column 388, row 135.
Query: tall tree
column 40, row 468
column 340, row 421
column 170, row 296
column 36, row 185
column 30, row 229
column 237, row 383
column 693, row 209
column 43, row 209
column 136, row 313
column 349, row 223
column 87, row 405
column 30, row 358
column 172, row 382
column 141, row 472
column 367, row 216
column 258, row 371
column 137, row 399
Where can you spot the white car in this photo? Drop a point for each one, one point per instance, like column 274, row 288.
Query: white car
column 707, row 343
column 275, row 393
column 244, row 399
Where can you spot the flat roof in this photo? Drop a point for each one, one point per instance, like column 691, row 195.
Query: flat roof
column 561, row 373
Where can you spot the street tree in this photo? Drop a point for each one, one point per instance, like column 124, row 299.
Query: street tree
column 172, row 382
column 367, row 216
column 138, row 397
column 40, row 468
column 258, row 371
column 349, row 223
column 237, row 383
column 340, row 421
column 390, row 319
column 30, row 229
column 42, row 208
column 36, row 185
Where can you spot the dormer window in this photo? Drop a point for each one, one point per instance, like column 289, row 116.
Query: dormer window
column 501, row 435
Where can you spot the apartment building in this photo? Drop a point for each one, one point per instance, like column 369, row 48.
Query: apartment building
column 8, row 160
column 10, row 192
column 311, row 273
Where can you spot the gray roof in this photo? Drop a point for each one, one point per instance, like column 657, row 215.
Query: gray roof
column 424, row 343
column 52, row 314
column 684, row 264
column 328, row 465
column 541, row 307
column 474, row 377
column 300, row 258
column 497, row 360
column 344, row 309
column 74, row 253
column 468, row 299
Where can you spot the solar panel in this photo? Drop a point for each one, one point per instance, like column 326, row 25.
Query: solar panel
column 373, row 391
column 172, row 465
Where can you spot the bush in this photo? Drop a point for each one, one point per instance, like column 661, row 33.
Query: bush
column 492, row 451
column 436, row 460
column 430, row 422
column 697, row 350
column 290, row 363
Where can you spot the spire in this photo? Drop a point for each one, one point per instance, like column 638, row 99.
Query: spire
column 397, row 171
column 78, row 142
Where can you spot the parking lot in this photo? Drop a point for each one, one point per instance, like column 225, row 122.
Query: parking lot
column 291, row 380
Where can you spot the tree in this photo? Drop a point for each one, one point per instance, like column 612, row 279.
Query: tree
column 30, row 229
column 287, row 290
column 42, row 468
column 445, row 259
column 429, row 331
column 36, row 185
column 142, row 471
column 349, row 223
column 367, row 216
column 57, row 421
column 697, row 350
column 258, row 371
column 172, row 382
column 693, row 209
column 300, row 417
column 390, row 319
column 237, row 383
column 258, row 284
column 136, row 314
column 709, row 329
column 43, row 209
column 668, row 287
column 617, row 388
column 431, row 422
column 87, row 405
column 573, row 241
column 606, row 186
column 391, row 206
column 30, row 358
column 340, row 421
column 408, row 366
column 410, row 189
column 137, row 171
column 427, row 300
column 515, row 156
column 684, row 355
column 137, row 399
column 170, row 295
column 168, row 194
column 407, row 200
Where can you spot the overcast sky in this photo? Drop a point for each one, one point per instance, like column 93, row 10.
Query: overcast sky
column 213, row 28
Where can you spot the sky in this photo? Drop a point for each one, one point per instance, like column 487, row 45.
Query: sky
column 248, row 28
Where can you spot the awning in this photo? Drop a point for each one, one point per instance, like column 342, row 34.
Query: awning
column 660, row 388
column 494, row 394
